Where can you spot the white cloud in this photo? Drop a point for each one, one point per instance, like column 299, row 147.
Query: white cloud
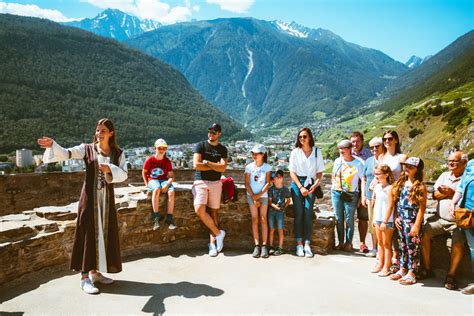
column 33, row 10
column 148, row 9
column 237, row 6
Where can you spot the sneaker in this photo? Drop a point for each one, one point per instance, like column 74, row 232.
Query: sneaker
column 220, row 241
column 264, row 253
column 212, row 250
column 278, row 251
column 171, row 226
column 372, row 253
column 363, row 248
column 299, row 251
column 256, row 251
column 156, row 224
column 307, row 251
column 271, row 250
column 100, row 278
column 468, row 290
column 88, row 287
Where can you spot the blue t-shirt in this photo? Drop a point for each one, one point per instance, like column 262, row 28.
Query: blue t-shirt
column 466, row 187
column 369, row 167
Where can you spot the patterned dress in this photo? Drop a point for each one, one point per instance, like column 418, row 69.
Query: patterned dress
column 408, row 245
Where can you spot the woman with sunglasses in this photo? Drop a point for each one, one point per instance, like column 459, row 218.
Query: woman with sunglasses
column 306, row 170
column 392, row 155
column 376, row 148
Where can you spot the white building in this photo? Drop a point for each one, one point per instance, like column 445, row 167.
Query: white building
column 24, row 158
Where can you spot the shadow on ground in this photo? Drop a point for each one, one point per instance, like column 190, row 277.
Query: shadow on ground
column 160, row 291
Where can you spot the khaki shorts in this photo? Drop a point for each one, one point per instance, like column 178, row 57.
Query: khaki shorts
column 207, row 193
column 441, row 226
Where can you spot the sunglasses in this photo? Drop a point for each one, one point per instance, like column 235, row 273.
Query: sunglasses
column 387, row 139
column 255, row 154
column 212, row 132
column 410, row 167
column 374, row 147
column 303, row 136
column 454, row 162
column 161, row 148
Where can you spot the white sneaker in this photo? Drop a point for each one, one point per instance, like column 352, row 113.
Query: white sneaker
column 212, row 250
column 99, row 277
column 88, row 287
column 171, row 226
column 372, row 253
column 220, row 241
column 307, row 251
column 156, row 224
column 299, row 251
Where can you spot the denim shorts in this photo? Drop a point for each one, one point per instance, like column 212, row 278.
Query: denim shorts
column 262, row 200
column 158, row 184
column 389, row 224
column 274, row 215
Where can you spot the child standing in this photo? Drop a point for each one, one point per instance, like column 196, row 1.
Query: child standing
column 409, row 194
column 278, row 199
column 158, row 177
column 383, row 218
column 257, row 182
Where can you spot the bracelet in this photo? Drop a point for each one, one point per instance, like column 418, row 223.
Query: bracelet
column 299, row 188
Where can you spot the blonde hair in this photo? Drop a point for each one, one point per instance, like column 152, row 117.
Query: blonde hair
column 385, row 169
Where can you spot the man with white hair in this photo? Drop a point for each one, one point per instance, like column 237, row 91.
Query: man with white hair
column 376, row 147
column 443, row 222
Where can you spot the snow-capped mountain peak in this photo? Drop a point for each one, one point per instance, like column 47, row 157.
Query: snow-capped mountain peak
column 293, row 29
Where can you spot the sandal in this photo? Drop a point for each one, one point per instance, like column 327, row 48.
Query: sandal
column 408, row 279
column 397, row 276
column 450, row 283
column 363, row 248
column 394, row 268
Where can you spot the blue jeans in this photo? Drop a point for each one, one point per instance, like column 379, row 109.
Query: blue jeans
column 303, row 212
column 344, row 212
column 275, row 216
column 469, row 232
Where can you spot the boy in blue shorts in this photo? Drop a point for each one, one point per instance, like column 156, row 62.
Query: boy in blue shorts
column 158, row 177
column 278, row 199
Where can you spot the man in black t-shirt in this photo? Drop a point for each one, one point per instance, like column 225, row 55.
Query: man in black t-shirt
column 209, row 161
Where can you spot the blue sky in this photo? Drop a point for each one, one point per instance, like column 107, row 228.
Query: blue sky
column 398, row 28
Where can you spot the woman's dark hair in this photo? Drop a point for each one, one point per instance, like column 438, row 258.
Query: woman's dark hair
column 265, row 157
column 394, row 134
column 417, row 190
column 310, row 135
column 112, row 140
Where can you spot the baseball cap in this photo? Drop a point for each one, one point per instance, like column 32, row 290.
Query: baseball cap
column 277, row 173
column 160, row 142
column 259, row 148
column 214, row 127
column 412, row 161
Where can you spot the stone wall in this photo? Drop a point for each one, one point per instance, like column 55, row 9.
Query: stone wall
column 42, row 237
column 22, row 192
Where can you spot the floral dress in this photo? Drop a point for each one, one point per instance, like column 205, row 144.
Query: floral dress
column 408, row 245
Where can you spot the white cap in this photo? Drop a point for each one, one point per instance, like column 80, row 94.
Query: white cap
column 259, row 148
column 160, row 142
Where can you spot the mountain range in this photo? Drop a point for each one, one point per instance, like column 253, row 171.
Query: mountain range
column 115, row 24
column 58, row 81
column 264, row 73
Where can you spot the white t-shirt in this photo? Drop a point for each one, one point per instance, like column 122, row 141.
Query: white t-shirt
column 381, row 204
column 258, row 176
column 306, row 166
column 394, row 163
column 351, row 172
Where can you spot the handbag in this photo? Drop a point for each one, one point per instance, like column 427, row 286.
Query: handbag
column 464, row 216
column 346, row 196
column 319, row 191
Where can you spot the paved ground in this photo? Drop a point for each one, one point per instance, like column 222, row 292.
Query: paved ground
column 236, row 283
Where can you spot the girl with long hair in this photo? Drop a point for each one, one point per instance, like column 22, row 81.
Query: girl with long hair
column 409, row 195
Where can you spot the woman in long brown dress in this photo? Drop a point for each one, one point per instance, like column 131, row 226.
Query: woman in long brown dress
column 96, row 243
